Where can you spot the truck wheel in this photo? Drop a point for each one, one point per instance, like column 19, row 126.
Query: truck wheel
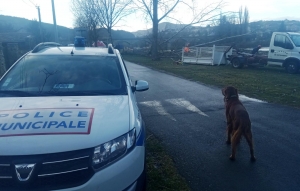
column 236, row 63
column 292, row 67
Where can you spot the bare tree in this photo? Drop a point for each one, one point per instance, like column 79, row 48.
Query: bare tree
column 204, row 15
column 85, row 17
column 164, row 8
column 111, row 12
column 243, row 20
column 94, row 14
column 151, row 8
column 246, row 20
column 240, row 15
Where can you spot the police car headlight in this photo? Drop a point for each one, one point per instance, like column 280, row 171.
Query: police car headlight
column 114, row 149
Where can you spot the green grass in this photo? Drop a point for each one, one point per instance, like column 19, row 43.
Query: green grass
column 271, row 84
column 161, row 172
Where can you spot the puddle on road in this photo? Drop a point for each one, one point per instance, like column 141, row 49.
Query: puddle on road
column 245, row 98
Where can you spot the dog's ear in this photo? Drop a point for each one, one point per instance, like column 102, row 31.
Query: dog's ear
column 236, row 91
column 223, row 91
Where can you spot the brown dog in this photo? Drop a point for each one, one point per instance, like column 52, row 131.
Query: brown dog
column 238, row 121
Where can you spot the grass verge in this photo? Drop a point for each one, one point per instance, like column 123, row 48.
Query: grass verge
column 161, row 172
column 271, row 84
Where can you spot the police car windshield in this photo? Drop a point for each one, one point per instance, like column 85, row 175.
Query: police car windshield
column 64, row 75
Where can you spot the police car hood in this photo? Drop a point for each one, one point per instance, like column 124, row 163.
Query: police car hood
column 58, row 124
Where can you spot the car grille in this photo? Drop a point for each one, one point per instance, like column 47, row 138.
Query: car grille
column 51, row 171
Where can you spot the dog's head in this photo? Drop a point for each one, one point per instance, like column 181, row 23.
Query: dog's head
column 230, row 92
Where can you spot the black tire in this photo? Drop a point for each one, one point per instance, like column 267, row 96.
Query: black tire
column 236, row 63
column 292, row 67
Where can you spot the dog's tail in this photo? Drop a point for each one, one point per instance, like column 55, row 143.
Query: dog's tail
column 236, row 137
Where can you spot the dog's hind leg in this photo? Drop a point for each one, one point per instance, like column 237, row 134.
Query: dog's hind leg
column 235, row 139
column 248, row 136
column 229, row 133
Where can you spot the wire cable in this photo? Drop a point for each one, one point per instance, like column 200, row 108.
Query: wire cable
column 32, row 3
column 27, row 3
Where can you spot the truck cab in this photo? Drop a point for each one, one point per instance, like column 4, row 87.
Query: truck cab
column 284, row 51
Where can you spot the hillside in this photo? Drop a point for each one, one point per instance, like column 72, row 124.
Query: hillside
column 259, row 26
column 164, row 26
column 194, row 35
column 16, row 24
column 66, row 35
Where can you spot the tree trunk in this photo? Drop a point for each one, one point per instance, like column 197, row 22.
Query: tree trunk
column 155, row 31
column 109, row 40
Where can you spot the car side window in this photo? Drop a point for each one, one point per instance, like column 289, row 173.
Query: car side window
column 282, row 41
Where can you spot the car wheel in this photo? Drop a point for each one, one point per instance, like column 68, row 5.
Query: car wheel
column 292, row 67
column 236, row 63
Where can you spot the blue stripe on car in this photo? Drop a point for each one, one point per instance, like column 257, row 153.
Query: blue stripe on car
column 141, row 137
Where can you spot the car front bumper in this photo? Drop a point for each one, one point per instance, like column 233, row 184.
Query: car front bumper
column 124, row 174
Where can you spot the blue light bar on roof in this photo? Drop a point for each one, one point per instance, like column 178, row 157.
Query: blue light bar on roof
column 79, row 41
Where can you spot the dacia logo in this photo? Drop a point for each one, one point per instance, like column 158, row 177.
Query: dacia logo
column 24, row 171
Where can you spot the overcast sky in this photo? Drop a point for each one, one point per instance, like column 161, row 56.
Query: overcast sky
column 258, row 9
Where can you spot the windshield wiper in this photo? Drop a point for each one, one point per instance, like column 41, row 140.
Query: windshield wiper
column 17, row 93
column 87, row 93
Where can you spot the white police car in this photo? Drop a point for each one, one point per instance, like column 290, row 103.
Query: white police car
column 69, row 121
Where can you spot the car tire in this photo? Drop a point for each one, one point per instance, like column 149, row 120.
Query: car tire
column 292, row 67
column 236, row 63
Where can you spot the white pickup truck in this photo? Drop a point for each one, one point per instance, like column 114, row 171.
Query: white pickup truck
column 284, row 51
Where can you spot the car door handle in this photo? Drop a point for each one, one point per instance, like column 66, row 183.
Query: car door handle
column 272, row 50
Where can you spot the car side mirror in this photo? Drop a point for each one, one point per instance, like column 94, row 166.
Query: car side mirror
column 140, row 85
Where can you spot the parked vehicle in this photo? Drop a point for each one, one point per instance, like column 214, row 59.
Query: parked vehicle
column 70, row 121
column 240, row 59
column 284, row 51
